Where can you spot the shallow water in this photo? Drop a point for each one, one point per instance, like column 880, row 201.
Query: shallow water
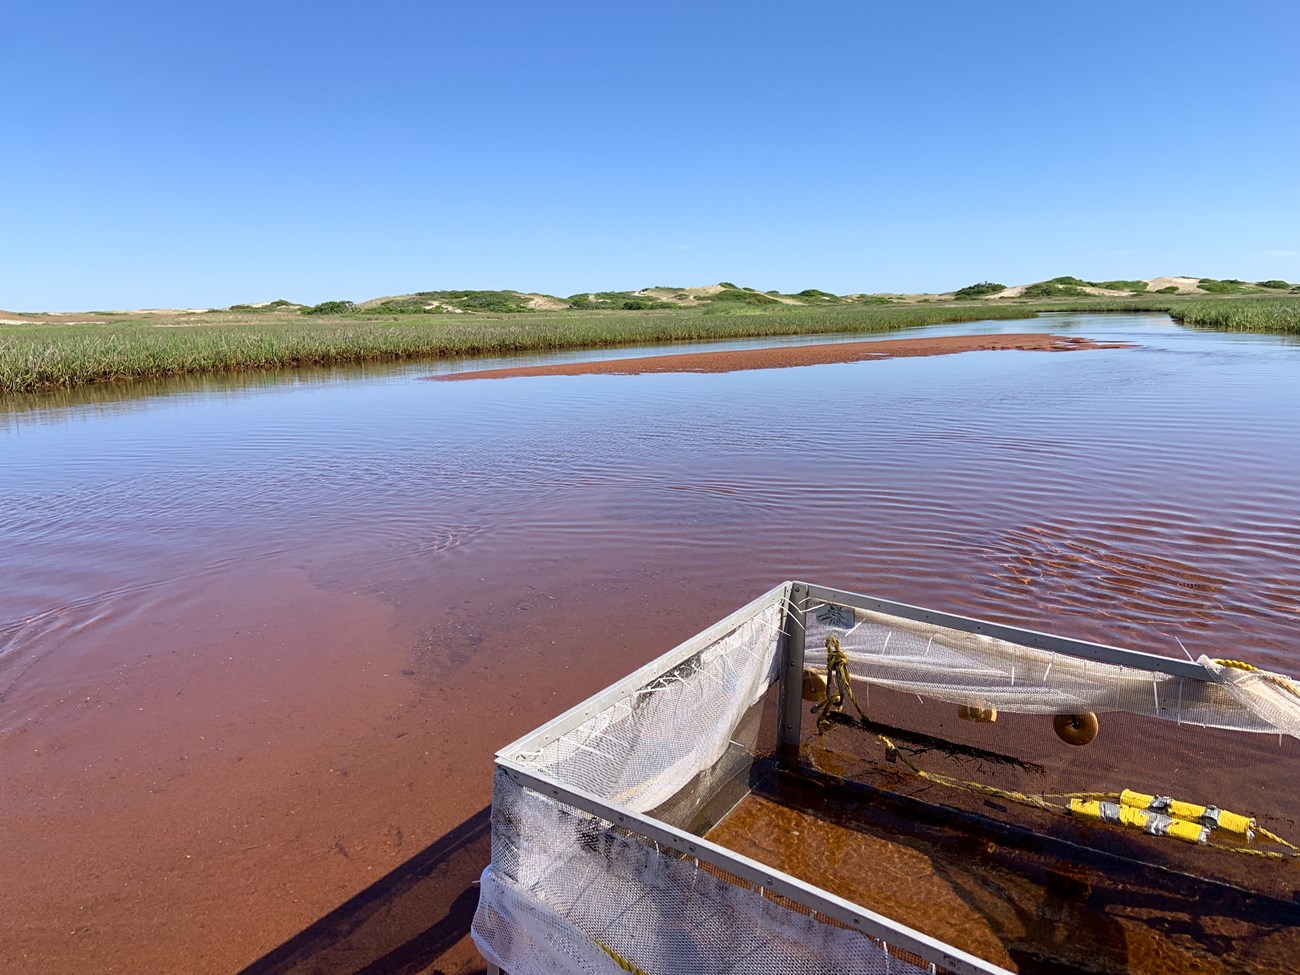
column 355, row 569
column 1022, row 907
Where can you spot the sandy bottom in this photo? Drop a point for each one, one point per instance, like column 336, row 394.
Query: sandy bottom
column 282, row 786
column 799, row 355
column 1021, row 909
column 1035, row 892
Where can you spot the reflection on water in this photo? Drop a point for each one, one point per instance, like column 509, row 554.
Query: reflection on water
column 1136, row 495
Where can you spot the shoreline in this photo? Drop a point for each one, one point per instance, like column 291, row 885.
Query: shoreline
column 48, row 356
column 41, row 353
column 785, row 357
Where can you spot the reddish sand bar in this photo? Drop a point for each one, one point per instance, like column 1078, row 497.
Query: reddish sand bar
column 782, row 357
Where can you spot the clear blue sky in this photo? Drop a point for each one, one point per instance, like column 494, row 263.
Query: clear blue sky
column 200, row 154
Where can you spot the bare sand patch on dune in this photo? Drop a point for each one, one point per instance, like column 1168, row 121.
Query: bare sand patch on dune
column 1185, row 286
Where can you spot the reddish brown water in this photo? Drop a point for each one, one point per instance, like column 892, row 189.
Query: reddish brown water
column 786, row 357
column 1027, row 886
column 1028, row 912
column 258, row 641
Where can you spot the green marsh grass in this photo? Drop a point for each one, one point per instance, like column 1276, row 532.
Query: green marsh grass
column 48, row 355
column 1247, row 315
column 1263, row 313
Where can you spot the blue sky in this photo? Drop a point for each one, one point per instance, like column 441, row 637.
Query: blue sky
column 163, row 154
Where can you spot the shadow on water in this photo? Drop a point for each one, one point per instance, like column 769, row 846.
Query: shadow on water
column 412, row 921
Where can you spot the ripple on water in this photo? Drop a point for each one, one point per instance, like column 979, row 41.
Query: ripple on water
column 1153, row 573
column 1124, row 496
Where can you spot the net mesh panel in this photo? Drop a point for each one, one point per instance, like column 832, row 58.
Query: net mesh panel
column 646, row 748
column 1159, row 735
column 1229, row 904
column 570, row 892
column 565, row 890
column 950, row 665
column 956, row 828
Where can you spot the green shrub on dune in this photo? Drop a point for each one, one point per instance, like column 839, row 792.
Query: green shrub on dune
column 330, row 308
column 740, row 296
column 1228, row 286
column 980, row 290
column 1050, row 289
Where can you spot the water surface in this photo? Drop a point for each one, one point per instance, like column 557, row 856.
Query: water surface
column 259, row 636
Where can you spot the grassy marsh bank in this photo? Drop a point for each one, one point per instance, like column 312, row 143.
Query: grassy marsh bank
column 37, row 355
column 1246, row 315
column 42, row 356
column 1278, row 316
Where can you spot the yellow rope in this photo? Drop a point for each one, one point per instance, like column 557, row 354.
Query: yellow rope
column 892, row 754
column 839, row 685
column 622, row 963
column 1274, row 838
column 1276, row 679
column 1025, row 798
column 1235, row 664
column 837, row 675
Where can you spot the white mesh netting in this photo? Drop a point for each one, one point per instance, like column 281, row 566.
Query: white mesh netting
column 567, row 891
column 563, row 887
column 649, row 746
column 962, row 668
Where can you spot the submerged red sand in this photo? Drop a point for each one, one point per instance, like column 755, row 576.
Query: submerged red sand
column 783, row 357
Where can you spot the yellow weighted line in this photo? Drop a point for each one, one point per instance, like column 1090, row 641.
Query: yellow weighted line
column 1135, row 818
column 1229, row 822
column 1088, row 804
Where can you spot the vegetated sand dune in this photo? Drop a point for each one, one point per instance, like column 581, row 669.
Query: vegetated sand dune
column 537, row 301
column 674, row 295
column 1019, row 290
column 166, row 311
column 427, row 303
column 48, row 318
column 1105, row 292
column 1185, row 286
column 79, row 317
column 540, row 302
column 781, row 357
column 688, row 297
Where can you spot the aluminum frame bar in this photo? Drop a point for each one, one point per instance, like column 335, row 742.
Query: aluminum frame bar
column 793, row 643
column 1081, row 649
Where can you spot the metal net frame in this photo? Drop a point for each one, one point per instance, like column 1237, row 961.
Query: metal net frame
column 599, row 861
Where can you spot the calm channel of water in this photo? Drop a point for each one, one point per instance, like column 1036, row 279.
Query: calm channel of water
column 1137, row 494
column 532, row 538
